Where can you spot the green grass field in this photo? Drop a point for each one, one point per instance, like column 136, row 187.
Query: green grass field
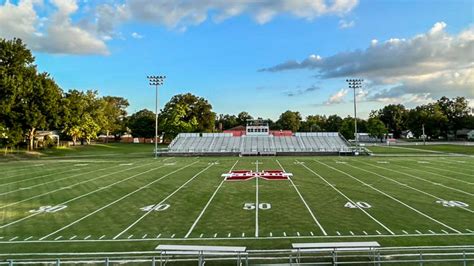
column 423, row 149
column 118, row 198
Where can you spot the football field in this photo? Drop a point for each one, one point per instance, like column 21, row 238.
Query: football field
column 134, row 202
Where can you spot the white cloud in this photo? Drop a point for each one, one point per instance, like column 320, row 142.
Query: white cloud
column 179, row 14
column 58, row 32
column 344, row 24
column 136, row 35
column 55, row 34
column 434, row 63
column 337, row 97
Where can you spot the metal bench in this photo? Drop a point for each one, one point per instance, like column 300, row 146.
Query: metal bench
column 333, row 247
column 201, row 252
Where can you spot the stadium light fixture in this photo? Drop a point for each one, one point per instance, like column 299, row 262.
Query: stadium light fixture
column 355, row 84
column 156, row 81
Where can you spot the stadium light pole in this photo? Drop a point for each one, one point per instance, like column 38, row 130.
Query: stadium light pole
column 156, row 81
column 355, row 84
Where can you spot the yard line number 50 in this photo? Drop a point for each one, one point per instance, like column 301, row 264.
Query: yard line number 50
column 261, row 206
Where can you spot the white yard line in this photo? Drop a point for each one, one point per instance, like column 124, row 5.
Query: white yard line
column 161, row 202
column 391, row 197
column 432, row 173
column 36, row 177
column 448, row 170
column 115, row 201
column 256, row 201
column 350, row 200
column 26, row 168
column 207, row 204
column 405, row 185
column 73, row 185
column 419, row 178
column 28, row 173
column 456, row 164
column 304, row 202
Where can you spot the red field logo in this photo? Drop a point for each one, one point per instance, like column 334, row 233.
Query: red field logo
column 249, row 174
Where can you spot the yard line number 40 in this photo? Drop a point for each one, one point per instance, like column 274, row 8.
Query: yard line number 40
column 155, row 207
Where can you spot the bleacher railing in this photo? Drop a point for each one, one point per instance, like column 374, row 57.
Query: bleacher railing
column 451, row 255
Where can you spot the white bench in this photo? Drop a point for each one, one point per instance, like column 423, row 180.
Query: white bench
column 202, row 251
column 333, row 247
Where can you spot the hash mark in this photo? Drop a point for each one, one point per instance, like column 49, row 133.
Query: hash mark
column 228, row 235
column 101, row 237
column 298, row 233
column 72, row 237
column 158, row 236
column 13, row 238
column 470, row 231
column 365, row 233
column 28, row 238
column 446, row 232
column 405, row 232
column 130, row 236
column 215, row 235
column 284, row 233
column 87, row 237
column 378, row 232
column 352, row 233
column 418, row 232
column 243, row 234
column 338, row 233
column 271, row 234
column 431, row 231
column 172, row 236
column 200, row 236
column 311, row 233
column 59, row 237
column 144, row 236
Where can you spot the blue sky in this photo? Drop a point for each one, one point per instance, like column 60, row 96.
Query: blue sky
column 264, row 57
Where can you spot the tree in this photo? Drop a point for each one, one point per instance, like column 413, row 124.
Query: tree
column 394, row 117
column 227, row 121
column 28, row 100
column 290, row 120
column 114, row 113
column 313, row 123
column 347, row 127
column 242, row 118
column 176, row 123
column 456, row 111
column 376, row 128
column 142, row 124
column 429, row 115
column 89, row 128
column 333, row 123
column 83, row 115
column 194, row 115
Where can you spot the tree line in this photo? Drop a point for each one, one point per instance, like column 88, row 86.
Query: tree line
column 31, row 100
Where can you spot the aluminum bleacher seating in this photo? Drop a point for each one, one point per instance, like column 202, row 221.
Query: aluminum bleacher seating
column 300, row 142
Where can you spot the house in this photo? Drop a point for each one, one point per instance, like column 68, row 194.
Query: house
column 42, row 136
column 407, row 134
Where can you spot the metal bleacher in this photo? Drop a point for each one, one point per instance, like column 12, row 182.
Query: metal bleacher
column 300, row 142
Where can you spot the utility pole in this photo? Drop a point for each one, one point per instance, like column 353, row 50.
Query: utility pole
column 424, row 136
column 156, row 81
column 355, row 84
